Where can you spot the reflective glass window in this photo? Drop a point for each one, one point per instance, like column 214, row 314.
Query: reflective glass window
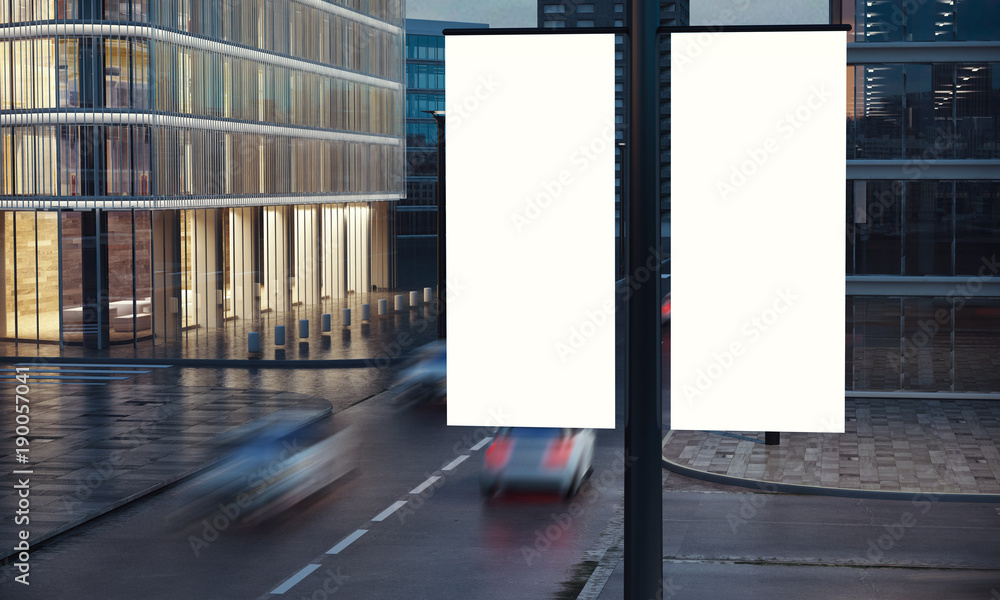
column 928, row 111
column 977, row 226
column 878, row 232
column 929, row 228
column 976, row 111
column 879, row 132
column 69, row 161
column 977, row 20
column 117, row 74
column 926, row 344
column 977, row 342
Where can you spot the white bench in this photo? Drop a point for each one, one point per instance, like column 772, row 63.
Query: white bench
column 125, row 322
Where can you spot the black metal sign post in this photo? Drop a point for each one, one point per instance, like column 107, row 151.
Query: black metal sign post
column 643, row 494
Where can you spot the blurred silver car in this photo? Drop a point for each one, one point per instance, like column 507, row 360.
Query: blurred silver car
column 538, row 459
column 424, row 378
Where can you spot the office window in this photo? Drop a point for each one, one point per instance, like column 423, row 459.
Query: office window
column 977, row 224
column 929, row 228
column 976, row 20
column 553, row 9
column 585, row 8
column 619, row 8
column 619, row 23
column 554, row 24
column 877, row 227
column 585, row 23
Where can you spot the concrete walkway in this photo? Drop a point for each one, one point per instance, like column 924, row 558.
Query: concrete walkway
column 903, row 447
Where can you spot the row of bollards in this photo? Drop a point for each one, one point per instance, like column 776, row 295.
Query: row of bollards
column 253, row 337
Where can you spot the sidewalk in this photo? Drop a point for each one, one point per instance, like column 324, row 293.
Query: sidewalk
column 889, row 448
column 93, row 450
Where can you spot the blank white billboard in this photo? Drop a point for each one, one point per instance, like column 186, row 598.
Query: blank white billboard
column 758, row 225
column 530, row 230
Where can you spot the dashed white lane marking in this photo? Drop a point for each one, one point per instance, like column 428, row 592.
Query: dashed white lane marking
column 482, row 442
column 423, row 486
column 347, row 541
column 455, row 463
column 382, row 516
column 305, row 572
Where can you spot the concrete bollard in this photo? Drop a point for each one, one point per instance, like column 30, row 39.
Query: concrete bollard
column 428, row 295
column 326, row 323
column 366, row 313
column 382, row 306
column 399, row 302
column 303, row 329
column 253, row 342
column 347, row 317
column 414, row 299
column 279, row 335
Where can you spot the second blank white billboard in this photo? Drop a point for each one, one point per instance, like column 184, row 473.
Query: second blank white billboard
column 758, row 226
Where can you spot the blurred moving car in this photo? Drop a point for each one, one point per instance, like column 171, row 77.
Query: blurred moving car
column 538, row 459
column 665, row 292
column 263, row 471
column 424, row 378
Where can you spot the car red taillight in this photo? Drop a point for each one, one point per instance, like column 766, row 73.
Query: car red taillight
column 558, row 453
column 498, row 453
column 665, row 309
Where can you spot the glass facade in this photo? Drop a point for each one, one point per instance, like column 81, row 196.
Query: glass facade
column 921, row 20
column 926, row 236
column 425, row 94
column 922, row 227
column 249, row 153
column 924, row 111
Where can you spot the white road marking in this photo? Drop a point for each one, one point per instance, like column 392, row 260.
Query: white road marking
column 455, row 463
column 281, row 589
column 423, row 486
column 347, row 541
column 382, row 516
column 482, row 442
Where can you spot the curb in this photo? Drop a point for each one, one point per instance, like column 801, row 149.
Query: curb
column 816, row 490
column 49, row 536
column 610, row 548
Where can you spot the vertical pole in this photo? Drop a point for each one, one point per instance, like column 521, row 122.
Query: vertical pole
column 643, row 496
column 442, row 329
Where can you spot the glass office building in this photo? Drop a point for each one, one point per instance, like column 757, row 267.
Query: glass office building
column 424, row 95
column 173, row 164
column 923, row 190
